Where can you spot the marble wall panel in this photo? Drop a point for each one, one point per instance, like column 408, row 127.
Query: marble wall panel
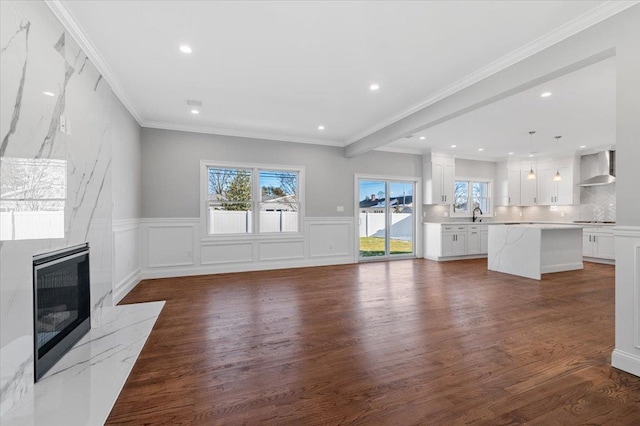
column 37, row 56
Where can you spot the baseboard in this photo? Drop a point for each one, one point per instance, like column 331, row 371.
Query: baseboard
column 449, row 258
column 126, row 285
column 561, row 267
column 626, row 362
column 600, row 260
column 152, row 273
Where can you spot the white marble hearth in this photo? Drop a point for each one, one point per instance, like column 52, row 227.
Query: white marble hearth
column 83, row 386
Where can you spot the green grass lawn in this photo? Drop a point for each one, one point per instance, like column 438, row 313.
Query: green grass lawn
column 372, row 246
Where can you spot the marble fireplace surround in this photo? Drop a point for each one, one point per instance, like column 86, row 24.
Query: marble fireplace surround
column 37, row 56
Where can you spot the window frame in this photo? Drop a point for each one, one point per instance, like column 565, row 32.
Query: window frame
column 470, row 182
column 256, row 201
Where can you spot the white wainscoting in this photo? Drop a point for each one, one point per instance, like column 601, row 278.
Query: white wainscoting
column 174, row 247
column 126, row 257
column 327, row 238
column 626, row 355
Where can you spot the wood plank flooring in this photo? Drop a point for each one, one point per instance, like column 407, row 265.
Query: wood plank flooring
column 392, row 343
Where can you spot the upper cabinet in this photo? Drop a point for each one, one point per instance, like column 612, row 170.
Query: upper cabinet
column 528, row 187
column 562, row 192
column 439, row 177
column 508, row 184
column 514, row 189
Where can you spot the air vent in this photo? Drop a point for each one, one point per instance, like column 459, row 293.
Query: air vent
column 191, row 102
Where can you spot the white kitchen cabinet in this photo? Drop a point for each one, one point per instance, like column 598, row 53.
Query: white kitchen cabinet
column 513, row 187
column 557, row 193
column 598, row 243
column 477, row 239
column 442, row 180
column 454, row 240
column 508, row 184
column 528, row 189
column 484, row 241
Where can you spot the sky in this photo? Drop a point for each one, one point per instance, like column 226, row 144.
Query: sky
column 368, row 187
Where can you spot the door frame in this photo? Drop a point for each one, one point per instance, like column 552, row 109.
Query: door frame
column 417, row 215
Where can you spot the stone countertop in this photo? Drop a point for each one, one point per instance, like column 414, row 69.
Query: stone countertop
column 523, row 222
column 546, row 226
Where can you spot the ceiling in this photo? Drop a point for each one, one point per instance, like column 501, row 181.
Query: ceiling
column 279, row 69
column 581, row 109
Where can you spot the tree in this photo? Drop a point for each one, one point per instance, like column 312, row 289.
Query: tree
column 239, row 189
column 219, row 180
column 289, row 187
column 33, row 184
column 270, row 192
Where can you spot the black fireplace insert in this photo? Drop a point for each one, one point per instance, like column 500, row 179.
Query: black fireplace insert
column 61, row 304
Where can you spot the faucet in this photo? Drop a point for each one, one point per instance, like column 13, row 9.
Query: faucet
column 477, row 209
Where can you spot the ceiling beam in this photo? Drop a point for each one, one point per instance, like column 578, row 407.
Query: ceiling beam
column 592, row 45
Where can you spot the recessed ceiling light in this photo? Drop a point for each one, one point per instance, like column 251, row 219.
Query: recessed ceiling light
column 185, row 48
column 582, row 146
column 453, row 146
column 530, row 155
column 321, row 127
column 48, row 93
column 422, row 138
column 374, row 87
column 511, row 153
column 195, row 112
column 545, row 95
column 480, row 149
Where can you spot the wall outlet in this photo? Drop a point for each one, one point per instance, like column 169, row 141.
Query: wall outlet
column 340, row 208
column 63, row 124
column 520, row 214
column 561, row 214
column 188, row 253
column 445, row 214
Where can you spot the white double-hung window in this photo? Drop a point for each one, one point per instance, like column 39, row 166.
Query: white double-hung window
column 469, row 194
column 251, row 198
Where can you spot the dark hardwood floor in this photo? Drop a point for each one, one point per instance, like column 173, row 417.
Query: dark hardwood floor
column 394, row 343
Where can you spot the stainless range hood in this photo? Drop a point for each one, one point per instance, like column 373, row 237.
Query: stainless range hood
column 604, row 172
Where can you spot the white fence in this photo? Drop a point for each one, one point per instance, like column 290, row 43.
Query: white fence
column 31, row 225
column 241, row 222
column 373, row 225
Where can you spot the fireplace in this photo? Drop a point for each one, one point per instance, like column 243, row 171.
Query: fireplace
column 61, row 302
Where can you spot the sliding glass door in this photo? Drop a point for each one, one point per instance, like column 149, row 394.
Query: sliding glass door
column 386, row 220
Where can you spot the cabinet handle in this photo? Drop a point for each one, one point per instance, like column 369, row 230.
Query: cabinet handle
column 535, row 200
column 594, row 238
column 509, row 200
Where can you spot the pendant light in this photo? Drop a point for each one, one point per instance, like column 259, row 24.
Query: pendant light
column 532, row 174
column 557, row 177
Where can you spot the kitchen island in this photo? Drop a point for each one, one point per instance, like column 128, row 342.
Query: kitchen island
column 534, row 249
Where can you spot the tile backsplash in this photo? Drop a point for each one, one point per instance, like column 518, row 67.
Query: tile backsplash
column 598, row 203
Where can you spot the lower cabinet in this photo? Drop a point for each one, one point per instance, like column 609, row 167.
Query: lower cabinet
column 477, row 239
column 447, row 240
column 454, row 244
column 598, row 243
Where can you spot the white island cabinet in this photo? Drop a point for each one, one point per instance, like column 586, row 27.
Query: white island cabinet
column 532, row 250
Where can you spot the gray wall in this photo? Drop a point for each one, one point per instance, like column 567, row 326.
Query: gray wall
column 171, row 170
column 126, row 163
column 476, row 169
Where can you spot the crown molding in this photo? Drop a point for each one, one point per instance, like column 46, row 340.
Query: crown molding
column 240, row 133
column 576, row 25
column 76, row 31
